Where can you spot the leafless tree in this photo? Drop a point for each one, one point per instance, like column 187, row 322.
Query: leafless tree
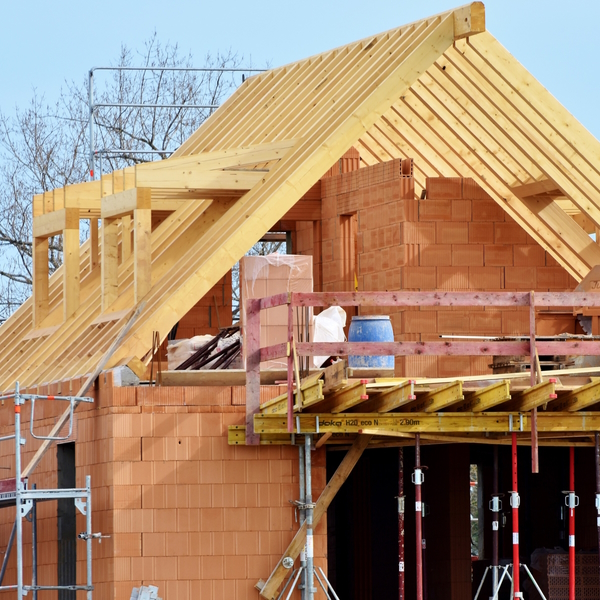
column 45, row 145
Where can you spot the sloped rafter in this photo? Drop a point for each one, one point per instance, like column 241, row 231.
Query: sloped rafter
column 459, row 107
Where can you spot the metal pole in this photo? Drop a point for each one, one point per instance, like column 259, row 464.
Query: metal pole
column 515, row 501
column 302, row 499
column 88, row 520
column 598, row 489
column 34, row 546
column 401, row 523
column 495, row 524
column 91, row 122
column 310, row 589
column 11, row 541
column 18, row 491
column 418, row 480
column 571, row 501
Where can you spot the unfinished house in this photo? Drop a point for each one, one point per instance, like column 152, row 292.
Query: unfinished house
column 423, row 178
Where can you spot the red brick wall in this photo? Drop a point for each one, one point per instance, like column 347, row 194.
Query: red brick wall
column 184, row 510
column 457, row 238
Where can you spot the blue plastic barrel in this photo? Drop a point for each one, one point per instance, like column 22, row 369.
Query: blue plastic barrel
column 377, row 328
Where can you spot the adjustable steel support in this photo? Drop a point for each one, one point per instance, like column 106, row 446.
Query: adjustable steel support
column 401, row 523
column 514, row 502
column 310, row 579
column 418, row 481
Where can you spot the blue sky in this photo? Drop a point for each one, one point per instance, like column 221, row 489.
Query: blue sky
column 44, row 43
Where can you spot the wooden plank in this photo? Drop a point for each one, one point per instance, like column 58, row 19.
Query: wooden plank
column 342, row 473
column 109, row 262
column 142, row 248
column 252, row 355
column 125, row 237
column 71, row 287
column 447, row 348
column 40, row 280
column 94, row 256
column 433, row 298
column 485, row 398
column 207, row 181
column 534, row 188
column 125, row 202
column 438, row 399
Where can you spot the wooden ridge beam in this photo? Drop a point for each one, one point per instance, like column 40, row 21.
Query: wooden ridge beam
column 485, row 398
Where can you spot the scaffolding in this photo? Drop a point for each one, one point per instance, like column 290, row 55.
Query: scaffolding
column 17, row 493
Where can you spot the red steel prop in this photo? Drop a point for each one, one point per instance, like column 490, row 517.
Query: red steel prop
column 515, row 501
column 401, row 523
column 572, row 503
column 418, row 481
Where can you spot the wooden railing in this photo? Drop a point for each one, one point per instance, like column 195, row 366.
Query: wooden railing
column 255, row 354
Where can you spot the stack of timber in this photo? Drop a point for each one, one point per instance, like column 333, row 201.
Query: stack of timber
column 470, row 409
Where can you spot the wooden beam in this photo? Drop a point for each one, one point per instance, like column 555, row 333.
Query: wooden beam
column 582, row 398
column 535, row 396
column 71, row 286
column 485, row 398
column 40, row 280
column 342, row 400
column 389, row 400
column 54, row 223
column 94, row 256
column 191, row 179
column 142, row 251
column 124, row 203
column 341, row 474
column 537, row 187
column 469, row 20
column 110, row 262
column 438, row 399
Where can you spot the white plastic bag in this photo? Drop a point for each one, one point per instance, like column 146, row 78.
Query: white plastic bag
column 329, row 327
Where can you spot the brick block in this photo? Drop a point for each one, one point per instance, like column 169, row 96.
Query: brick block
column 515, row 322
column 520, row 278
column 555, row 324
column 529, row 256
column 444, row 187
column 487, row 210
column 461, row 210
column 509, row 233
column 452, row 233
column 453, row 322
column 467, row 255
column 419, row 322
column 435, row 210
column 485, row 278
column 486, row 322
column 555, row 278
column 418, row 233
column 438, row 255
column 453, row 278
column 498, row 256
column 481, row 232
column 454, row 366
column 473, row 190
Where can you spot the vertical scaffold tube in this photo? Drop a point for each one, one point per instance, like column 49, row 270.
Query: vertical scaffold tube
column 495, row 524
column 418, row 480
column 310, row 589
column 514, row 500
column 302, row 499
column 598, row 491
column 401, row 523
column 571, row 523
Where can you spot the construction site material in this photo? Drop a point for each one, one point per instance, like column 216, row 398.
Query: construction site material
column 217, row 353
column 401, row 505
column 515, row 501
column 418, row 478
column 146, row 592
column 368, row 328
column 571, row 501
column 329, row 327
column 268, row 591
column 83, row 390
column 597, row 464
column 25, row 499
